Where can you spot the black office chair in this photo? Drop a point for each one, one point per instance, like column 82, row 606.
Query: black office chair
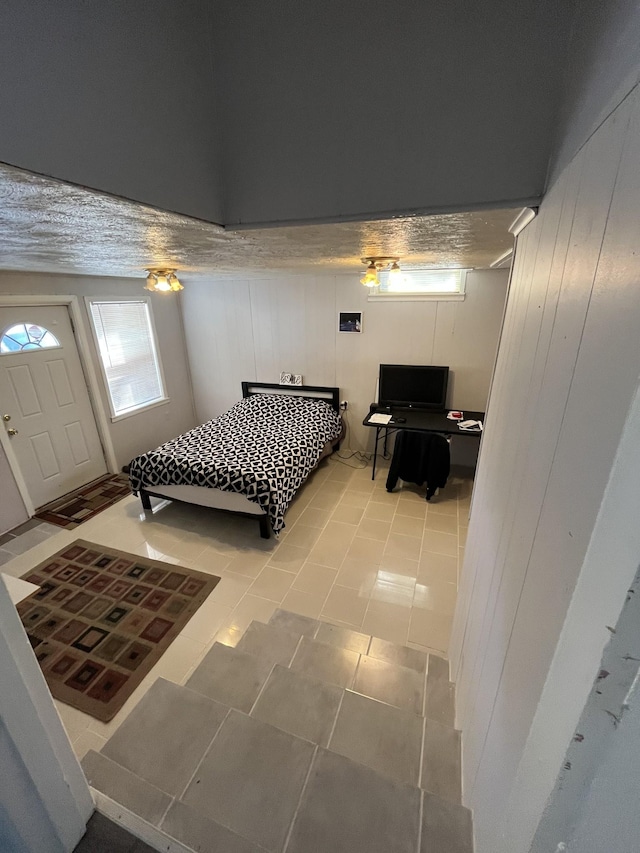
column 420, row 457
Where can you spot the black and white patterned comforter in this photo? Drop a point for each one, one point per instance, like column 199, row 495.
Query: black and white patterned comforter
column 264, row 447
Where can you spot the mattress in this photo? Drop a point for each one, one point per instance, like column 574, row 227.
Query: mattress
column 264, row 447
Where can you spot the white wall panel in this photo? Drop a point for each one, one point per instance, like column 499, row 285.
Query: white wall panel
column 293, row 326
column 567, row 370
column 219, row 342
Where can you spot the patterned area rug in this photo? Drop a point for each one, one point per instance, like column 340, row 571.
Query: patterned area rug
column 84, row 503
column 102, row 618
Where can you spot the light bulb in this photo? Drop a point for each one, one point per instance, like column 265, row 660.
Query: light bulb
column 395, row 272
column 162, row 282
column 370, row 278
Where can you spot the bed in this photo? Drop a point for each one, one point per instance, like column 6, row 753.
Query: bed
column 252, row 459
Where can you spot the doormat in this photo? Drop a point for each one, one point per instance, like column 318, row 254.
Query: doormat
column 82, row 504
column 102, row 619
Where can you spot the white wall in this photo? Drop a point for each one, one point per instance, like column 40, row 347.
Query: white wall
column 12, row 509
column 44, row 797
column 254, row 328
column 566, row 375
column 150, row 428
column 602, row 64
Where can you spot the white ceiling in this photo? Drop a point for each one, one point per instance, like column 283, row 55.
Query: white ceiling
column 50, row 226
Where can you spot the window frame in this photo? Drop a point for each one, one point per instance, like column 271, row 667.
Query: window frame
column 37, row 347
column 435, row 296
column 161, row 401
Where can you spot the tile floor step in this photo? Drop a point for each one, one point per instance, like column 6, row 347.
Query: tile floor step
column 382, row 737
column 230, row 676
column 252, row 782
column 344, row 638
column 123, row 786
column 441, row 761
column 199, row 833
column 269, row 643
column 294, row 623
column 396, row 685
column 445, row 826
column 400, row 655
column 165, row 736
column 324, row 662
column 440, row 702
column 439, row 699
column 298, row 704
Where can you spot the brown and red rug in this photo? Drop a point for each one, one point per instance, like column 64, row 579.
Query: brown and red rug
column 102, row 618
column 82, row 504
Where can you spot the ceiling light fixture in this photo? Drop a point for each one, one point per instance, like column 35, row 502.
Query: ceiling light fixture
column 377, row 263
column 163, row 281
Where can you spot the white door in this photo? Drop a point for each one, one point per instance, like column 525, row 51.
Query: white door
column 45, row 404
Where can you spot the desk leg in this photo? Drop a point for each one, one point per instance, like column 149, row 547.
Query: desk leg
column 375, row 453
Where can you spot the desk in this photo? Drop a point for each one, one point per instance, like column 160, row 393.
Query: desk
column 418, row 421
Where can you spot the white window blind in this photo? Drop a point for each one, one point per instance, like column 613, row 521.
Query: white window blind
column 421, row 284
column 129, row 356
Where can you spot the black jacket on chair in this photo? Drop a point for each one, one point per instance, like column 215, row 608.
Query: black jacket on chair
column 420, row 457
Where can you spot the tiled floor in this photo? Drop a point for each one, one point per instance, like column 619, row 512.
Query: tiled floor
column 24, row 537
column 352, row 554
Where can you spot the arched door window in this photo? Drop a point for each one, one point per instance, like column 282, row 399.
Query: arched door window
column 26, row 336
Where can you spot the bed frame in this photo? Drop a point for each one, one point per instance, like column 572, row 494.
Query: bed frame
column 233, row 502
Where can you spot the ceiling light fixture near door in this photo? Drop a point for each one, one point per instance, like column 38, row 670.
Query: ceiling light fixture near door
column 377, row 263
column 162, row 280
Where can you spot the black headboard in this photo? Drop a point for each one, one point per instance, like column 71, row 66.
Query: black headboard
column 314, row 392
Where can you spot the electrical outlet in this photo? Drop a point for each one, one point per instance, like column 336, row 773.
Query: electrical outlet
column 344, row 405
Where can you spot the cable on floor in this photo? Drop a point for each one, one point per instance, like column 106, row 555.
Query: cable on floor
column 358, row 455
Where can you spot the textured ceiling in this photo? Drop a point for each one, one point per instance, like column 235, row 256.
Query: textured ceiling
column 50, row 226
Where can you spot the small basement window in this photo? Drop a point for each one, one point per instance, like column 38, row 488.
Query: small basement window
column 416, row 285
column 128, row 355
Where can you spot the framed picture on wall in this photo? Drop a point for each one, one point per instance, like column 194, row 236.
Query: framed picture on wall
column 350, row 321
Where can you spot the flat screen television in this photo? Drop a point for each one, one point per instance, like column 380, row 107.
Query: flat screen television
column 413, row 386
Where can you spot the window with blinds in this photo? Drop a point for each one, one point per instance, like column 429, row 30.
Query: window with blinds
column 128, row 353
column 417, row 284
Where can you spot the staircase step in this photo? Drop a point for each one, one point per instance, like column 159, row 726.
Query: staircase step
column 165, row 736
column 384, row 738
column 220, row 764
column 294, row 623
column 438, row 669
column 230, row 676
column 344, row 638
column 445, row 827
column 125, row 787
column 441, row 762
column 298, row 704
column 349, row 808
column 269, row 643
column 251, row 779
column 326, row 663
column 440, row 702
column 200, row 833
column 390, row 683
column 399, row 655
